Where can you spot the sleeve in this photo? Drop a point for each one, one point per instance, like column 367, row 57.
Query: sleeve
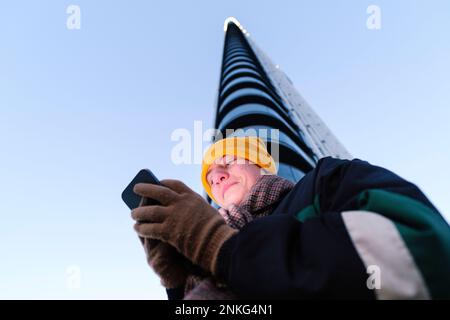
column 289, row 255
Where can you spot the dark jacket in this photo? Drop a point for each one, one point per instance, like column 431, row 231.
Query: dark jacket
column 347, row 229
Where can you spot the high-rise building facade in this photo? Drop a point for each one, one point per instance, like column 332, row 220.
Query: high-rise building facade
column 256, row 96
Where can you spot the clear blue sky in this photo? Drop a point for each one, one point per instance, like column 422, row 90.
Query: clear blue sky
column 82, row 110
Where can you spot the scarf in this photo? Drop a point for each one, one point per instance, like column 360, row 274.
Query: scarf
column 262, row 199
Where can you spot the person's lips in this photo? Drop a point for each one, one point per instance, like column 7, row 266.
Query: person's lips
column 226, row 187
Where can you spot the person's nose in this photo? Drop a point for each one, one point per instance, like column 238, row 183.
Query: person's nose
column 219, row 177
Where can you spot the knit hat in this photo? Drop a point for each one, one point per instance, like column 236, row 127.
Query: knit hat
column 250, row 148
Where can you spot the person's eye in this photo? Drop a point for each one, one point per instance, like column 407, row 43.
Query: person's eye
column 231, row 161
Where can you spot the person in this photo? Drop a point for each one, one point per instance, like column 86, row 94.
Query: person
column 347, row 229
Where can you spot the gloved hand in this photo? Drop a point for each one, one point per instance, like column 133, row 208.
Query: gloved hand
column 167, row 263
column 164, row 259
column 184, row 220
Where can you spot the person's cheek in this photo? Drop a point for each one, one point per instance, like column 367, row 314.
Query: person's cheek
column 240, row 190
column 237, row 174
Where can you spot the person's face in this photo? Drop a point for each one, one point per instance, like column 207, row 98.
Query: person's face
column 231, row 179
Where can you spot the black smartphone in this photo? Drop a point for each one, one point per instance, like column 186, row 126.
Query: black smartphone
column 133, row 200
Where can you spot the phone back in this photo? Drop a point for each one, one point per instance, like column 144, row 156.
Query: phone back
column 133, row 200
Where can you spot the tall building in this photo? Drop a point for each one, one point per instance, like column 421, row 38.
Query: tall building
column 255, row 94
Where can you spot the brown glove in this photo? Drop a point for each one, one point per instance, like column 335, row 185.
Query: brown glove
column 184, row 220
column 167, row 263
column 165, row 260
